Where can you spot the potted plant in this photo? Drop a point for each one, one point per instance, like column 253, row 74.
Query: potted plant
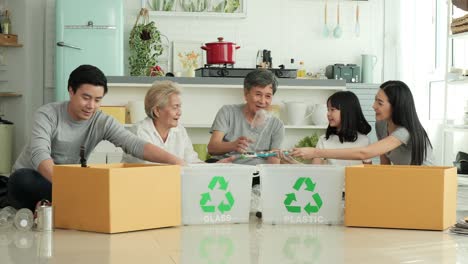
column 145, row 45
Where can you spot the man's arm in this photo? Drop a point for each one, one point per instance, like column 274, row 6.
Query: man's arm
column 45, row 168
column 156, row 154
column 41, row 143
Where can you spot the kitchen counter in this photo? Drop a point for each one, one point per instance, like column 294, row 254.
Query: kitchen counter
column 219, row 81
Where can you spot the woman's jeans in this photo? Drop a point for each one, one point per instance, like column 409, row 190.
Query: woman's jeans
column 26, row 187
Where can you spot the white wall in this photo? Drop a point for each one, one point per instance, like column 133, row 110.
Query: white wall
column 289, row 28
column 415, row 35
column 24, row 67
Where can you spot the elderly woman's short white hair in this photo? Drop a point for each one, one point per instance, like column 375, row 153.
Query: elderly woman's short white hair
column 158, row 95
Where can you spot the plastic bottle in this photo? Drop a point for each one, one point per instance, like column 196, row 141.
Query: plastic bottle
column 24, row 219
column 7, row 215
column 292, row 65
column 301, row 72
column 6, row 23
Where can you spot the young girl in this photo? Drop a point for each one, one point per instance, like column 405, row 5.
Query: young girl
column 402, row 138
column 347, row 127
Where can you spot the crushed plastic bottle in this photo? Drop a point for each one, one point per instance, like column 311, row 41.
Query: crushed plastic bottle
column 7, row 215
column 255, row 202
column 24, row 219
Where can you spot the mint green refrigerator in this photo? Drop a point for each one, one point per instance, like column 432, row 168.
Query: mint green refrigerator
column 87, row 32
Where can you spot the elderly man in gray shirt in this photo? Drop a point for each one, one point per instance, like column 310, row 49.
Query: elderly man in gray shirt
column 60, row 129
column 234, row 131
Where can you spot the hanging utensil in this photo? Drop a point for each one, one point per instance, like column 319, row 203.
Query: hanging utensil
column 357, row 29
column 326, row 31
column 337, row 32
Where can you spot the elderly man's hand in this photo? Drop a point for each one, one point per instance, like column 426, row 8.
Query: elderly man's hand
column 227, row 160
column 241, row 144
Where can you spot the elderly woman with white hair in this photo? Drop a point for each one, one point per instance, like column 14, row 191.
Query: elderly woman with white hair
column 161, row 126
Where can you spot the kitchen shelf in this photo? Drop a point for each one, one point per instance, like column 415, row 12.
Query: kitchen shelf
column 457, row 128
column 3, row 94
column 12, row 45
column 461, row 81
column 209, row 126
column 459, row 35
column 240, row 13
column 305, row 127
column 229, row 86
column 197, row 14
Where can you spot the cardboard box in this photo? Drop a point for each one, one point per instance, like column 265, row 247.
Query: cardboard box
column 118, row 112
column 216, row 193
column 302, row 194
column 411, row 197
column 114, row 198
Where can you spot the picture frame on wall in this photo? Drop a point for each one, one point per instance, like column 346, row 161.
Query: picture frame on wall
column 187, row 56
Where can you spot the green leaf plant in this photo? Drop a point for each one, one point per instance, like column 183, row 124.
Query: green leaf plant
column 145, row 45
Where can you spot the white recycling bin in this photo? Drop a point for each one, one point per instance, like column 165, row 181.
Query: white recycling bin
column 6, row 146
column 301, row 194
column 216, row 193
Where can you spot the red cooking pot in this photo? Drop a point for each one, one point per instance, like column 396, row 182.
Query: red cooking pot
column 220, row 52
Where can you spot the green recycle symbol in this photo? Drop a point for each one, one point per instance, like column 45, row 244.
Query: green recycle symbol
column 309, row 208
column 296, row 244
column 206, row 197
column 222, row 246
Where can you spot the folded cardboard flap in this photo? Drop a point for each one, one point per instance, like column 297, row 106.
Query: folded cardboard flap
column 412, row 197
column 113, row 198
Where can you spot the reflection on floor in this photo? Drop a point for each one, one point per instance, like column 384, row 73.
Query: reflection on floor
column 237, row 243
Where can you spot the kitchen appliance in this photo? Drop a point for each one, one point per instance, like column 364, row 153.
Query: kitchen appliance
column 88, row 32
column 264, row 59
column 318, row 115
column 348, row 72
column 230, row 72
column 368, row 64
column 296, row 112
column 220, row 52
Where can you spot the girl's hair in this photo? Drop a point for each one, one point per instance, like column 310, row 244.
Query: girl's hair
column 352, row 118
column 404, row 114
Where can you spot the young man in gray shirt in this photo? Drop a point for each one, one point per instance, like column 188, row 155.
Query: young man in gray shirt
column 61, row 128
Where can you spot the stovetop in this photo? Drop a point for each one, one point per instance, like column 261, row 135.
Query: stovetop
column 229, row 72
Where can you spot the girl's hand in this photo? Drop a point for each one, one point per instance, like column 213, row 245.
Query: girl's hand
column 285, row 158
column 289, row 160
column 304, row 153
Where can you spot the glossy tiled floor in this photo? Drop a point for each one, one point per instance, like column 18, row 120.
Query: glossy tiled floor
column 237, row 243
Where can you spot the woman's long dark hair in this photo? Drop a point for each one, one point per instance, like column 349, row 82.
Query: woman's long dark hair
column 404, row 114
column 352, row 118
